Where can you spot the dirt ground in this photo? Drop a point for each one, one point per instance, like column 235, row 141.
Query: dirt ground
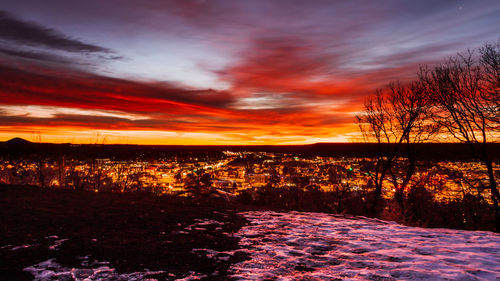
column 129, row 232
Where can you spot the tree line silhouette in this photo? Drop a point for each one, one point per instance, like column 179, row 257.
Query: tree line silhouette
column 457, row 100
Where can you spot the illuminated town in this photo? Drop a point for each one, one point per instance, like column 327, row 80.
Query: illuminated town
column 234, row 173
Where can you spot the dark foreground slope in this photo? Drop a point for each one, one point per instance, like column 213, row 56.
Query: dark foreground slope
column 133, row 232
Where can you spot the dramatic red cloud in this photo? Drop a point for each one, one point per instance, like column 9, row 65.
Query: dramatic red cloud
column 103, row 103
column 281, row 90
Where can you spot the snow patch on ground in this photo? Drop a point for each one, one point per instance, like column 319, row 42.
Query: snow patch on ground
column 19, row 247
column 318, row 246
column 57, row 244
column 93, row 270
column 201, row 224
column 51, row 270
column 213, row 254
column 192, row 276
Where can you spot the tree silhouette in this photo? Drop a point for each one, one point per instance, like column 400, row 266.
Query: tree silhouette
column 464, row 93
column 490, row 63
column 394, row 119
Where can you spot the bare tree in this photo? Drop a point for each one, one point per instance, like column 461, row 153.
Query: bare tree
column 464, row 93
column 395, row 120
column 409, row 107
column 490, row 63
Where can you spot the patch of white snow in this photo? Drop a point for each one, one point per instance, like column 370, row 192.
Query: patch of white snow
column 318, row 246
column 51, row 270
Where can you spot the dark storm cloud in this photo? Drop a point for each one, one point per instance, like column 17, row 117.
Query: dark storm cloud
column 88, row 121
column 38, row 56
column 33, row 34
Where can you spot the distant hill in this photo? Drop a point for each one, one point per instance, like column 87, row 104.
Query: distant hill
column 18, row 141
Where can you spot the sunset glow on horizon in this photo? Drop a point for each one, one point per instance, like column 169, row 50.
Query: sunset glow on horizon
column 216, row 72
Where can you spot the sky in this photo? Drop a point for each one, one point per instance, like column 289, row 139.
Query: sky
column 213, row 71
